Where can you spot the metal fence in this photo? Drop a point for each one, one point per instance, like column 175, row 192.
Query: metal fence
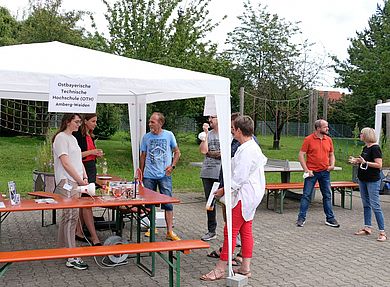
column 189, row 125
column 302, row 129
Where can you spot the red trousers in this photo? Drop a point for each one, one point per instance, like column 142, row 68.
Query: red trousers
column 239, row 225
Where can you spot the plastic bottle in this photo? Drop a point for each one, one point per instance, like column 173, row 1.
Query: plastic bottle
column 135, row 187
column 104, row 166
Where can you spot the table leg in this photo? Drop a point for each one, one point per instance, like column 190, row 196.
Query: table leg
column 139, row 232
column 267, row 198
column 342, row 192
column 170, row 258
column 285, row 176
column 3, row 216
column 152, row 219
column 333, row 191
column 276, row 195
column 350, row 198
column 282, row 194
column 54, row 216
column 119, row 221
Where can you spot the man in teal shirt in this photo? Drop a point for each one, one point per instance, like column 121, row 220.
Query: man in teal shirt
column 157, row 164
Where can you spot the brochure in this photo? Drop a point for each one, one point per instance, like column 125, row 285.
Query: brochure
column 13, row 195
column 211, row 200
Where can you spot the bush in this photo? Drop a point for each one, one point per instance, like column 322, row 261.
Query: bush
column 44, row 159
column 109, row 116
column 386, row 155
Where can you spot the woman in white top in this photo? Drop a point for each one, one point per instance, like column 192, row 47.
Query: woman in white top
column 69, row 174
column 247, row 191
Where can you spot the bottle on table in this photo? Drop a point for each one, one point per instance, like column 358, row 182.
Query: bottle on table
column 104, row 166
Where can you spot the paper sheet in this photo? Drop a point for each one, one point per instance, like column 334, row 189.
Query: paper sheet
column 211, row 200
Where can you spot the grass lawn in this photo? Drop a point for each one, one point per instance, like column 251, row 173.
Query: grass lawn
column 18, row 153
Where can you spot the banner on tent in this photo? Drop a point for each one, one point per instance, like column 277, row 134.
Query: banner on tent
column 73, row 95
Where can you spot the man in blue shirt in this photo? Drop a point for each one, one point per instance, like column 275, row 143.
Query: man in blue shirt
column 157, row 164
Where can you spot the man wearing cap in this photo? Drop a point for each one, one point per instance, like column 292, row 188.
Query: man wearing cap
column 209, row 174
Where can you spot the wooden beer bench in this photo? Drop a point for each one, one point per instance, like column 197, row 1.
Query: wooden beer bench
column 278, row 191
column 173, row 260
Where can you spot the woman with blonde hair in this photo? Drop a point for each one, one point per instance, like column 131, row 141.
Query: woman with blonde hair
column 370, row 164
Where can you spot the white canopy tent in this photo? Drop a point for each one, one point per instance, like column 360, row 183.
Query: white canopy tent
column 26, row 71
column 380, row 109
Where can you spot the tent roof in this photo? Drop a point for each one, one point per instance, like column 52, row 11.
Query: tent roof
column 385, row 108
column 26, row 70
column 379, row 110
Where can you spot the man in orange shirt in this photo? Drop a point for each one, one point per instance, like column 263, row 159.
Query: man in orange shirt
column 320, row 160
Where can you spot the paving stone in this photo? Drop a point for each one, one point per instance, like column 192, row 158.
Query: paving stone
column 284, row 255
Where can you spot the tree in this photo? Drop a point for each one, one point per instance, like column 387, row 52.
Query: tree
column 45, row 21
column 164, row 33
column 9, row 28
column 366, row 71
column 276, row 65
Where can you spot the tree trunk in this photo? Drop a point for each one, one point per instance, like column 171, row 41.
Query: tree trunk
column 279, row 124
column 254, row 116
column 276, row 144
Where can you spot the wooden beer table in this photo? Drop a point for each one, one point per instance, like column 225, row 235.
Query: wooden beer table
column 145, row 197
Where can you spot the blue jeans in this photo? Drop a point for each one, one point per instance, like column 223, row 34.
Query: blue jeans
column 369, row 192
column 164, row 186
column 323, row 178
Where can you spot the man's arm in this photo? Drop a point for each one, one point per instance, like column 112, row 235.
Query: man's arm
column 302, row 161
column 214, row 154
column 142, row 159
column 204, row 148
column 176, row 155
column 204, row 144
column 332, row 161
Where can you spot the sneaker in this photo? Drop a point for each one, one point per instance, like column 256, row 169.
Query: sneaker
column 172, row 236
column 76, row 263
column 332, row 222
column 147, row 233
column 300, row 222
column 209, row 236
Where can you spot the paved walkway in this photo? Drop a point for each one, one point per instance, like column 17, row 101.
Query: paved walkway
column 284, row 255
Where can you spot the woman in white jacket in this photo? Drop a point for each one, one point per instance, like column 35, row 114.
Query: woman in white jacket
column 247, row 191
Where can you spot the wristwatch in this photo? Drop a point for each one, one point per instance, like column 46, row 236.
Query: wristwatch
column 173, row 166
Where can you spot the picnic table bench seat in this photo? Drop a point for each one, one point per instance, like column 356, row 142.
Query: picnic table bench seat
column 180, row 246
column 278, row 191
